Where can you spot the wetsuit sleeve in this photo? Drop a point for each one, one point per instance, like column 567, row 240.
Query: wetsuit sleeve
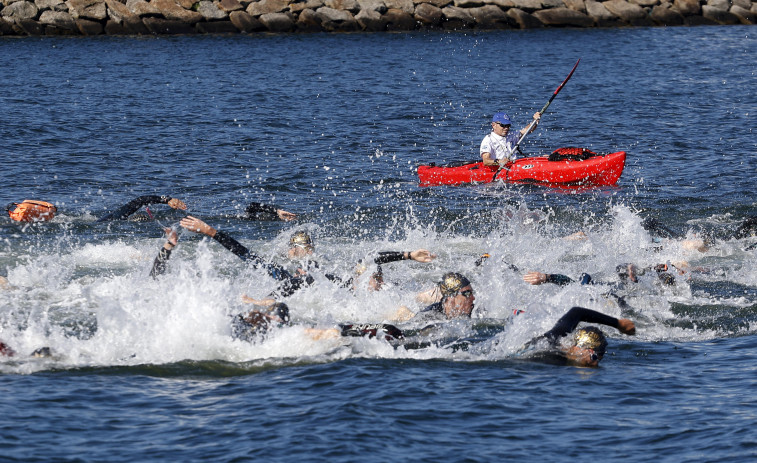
column 385, row 257
column 259, row 211
column 123, row 212
column 275, row 271
column 558, row 279
column 159, row 266
column 576, row 315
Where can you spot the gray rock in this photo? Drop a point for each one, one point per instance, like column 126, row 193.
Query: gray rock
column 277, row 22
column 21, row 10
column 666, row 16
column 6, row 28
column 54, row 5
column 88, row 9
column 60, row 19
column 371, row 20
column 687, row 7
column 229, row 5
column 244, row 22
column 490, row 17
column 117, row 11
column 744, row 15
column 88, row 27
column 372, row 5
column 216, row 27
column 345, row 5
column 173, row 12
column 724, row 17
column 399, row 20
column 553, row 4
column 210, row 11
column 745, row 4
column 308, row 21
column 267, row 6
column 405, row 5
column 456, row 18
column 142, row 8
column 29, row 26
column 628, row 12
column 428, row 15
column 524, row 20
column 563, row 17
column 720, row 4
column 336, row 20
column 160, row 26
column 649, row 3
column 468, row 3
column 601, row 15
column 578, row 5
column 527, row 5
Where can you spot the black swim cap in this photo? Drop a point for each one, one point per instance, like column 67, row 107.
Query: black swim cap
column 280, row 310
column 452, row 282
column 591, row 338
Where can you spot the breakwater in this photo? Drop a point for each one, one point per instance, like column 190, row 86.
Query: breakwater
column 157, row 17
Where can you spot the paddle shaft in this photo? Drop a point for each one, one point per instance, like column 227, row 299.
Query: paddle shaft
column 533, row 122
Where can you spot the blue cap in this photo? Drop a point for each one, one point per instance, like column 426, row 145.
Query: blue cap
column 502, row 118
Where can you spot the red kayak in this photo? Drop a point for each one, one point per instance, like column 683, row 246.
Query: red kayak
column 565, row 166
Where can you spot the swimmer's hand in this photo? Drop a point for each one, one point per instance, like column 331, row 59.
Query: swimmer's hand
column 535, row 278
column 422, row 255
column 172, row 238
column 286, row 216
column 196, row 225
column 177, row 204
column 626, row 326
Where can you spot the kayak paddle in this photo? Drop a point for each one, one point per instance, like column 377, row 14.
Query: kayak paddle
column 533, row 122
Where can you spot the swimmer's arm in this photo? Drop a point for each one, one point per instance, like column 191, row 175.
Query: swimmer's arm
column 429, row 296
column 123, row 212
column 402, row 314
column 537, row 278
column 419, row 255
column 161, row 260
column 576, row 315
column 259, row 211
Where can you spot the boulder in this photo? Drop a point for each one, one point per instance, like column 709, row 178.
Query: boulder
column 745, row 4
column 602, row 16
column 553, row 4
column 54, row 5
column 563, row 17
column 504, row 4
column 578, row 5
column 524, row 20
column 59, row 19
column 134, row 26
column 405, row 5
column 21, row 10
column 490, row 17
column 428, row 15
column 528, row 6
column 468, row 3
column 720, row 16
column 720, row 4
column 88, row 26
column 117, row 11
column 160, row 26
column 142, row 8
column 211, row 12
column 664, row 15
column 216, row 27
column 267, row 6
column 29, row 26
column 172, row 11
column 744, row 15
column 456, row 18
column 687, row 7
column 277, row 22
column 371, row 20
column 308, row 21
column 244, row 22
column 697, row 20
column 229, row 5
column 372, row 5
column 399, row 20
column 628, row 12
column 436, row 3
column 88, row 9
column 346, row 5
column 649, row 3
column 336, row 20
column 6, row 28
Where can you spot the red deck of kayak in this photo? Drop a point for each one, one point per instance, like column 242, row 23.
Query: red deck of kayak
column 595, row 171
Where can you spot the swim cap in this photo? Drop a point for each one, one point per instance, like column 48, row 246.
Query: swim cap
column 591, row 338
column 280, row 310
column 31, row 211
column 300, row 238
column 452, row 283
column 502, row 118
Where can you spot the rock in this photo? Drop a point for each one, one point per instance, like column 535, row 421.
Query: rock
column 399, row 20
column 308, row 21
column 699, row 21
column 524, row 20
column 160, row 26
column 6, row 28
column 744, row 15
column 428, row 15
column 267, row 6
column 345, row 5
column 745, row 4
column 553, row 4
column 21, row 10
column 436, row 3
column 229, row 5
column 490, row 17
column 336, row 20
column 723, row 17
column 468, row 3
column 277, row 22
column 720, row 4
column 89, row 27
column 135, row 26
column 372, row 5
column 29, row 26
column 563, row 17
column 666, row 16
column 405, row 5
column 527, row 5
column 578, row 5
column 142, row 8
column 371, row 20
column 173, row 12
column 211, row 12
column 456, row 18
column 117, row 11
column 54, row 5
column 649, row 3
column 628, row 12
column 88, row 9
column 59, row 19
column 687, row 7
column 244, row 22
column 601, row 15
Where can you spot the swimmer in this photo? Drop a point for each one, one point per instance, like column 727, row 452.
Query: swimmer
column 456, row 301
column 123, row 212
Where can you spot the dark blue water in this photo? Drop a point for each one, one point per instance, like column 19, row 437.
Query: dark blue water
column 332, row 127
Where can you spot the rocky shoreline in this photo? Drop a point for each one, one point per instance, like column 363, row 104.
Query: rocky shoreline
column 158, row 17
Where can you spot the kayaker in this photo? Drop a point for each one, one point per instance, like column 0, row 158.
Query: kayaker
column 497, row 148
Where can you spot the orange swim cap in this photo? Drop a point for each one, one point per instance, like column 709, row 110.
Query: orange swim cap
column 32, row 211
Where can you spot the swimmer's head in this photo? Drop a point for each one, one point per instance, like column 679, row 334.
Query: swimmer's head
column 457, row 296
column 591, row 338
column 300, row 244
column 31, row 211
column 452, row 282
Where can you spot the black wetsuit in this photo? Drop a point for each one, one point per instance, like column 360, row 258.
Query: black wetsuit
column 123, row 212
column 259, row 211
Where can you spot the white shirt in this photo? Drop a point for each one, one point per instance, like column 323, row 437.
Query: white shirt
column 500, row 147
